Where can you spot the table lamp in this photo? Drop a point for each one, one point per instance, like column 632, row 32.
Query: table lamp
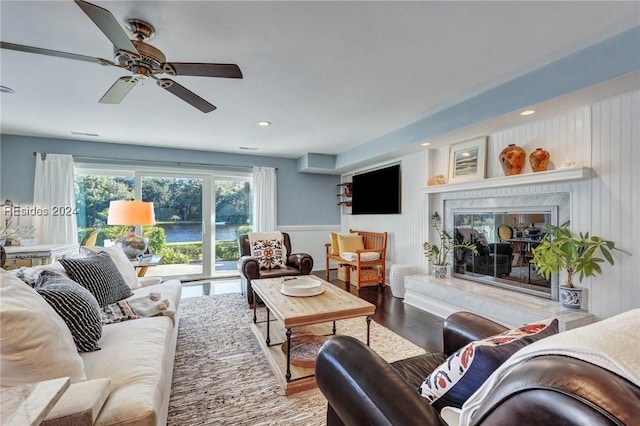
column 131, row 213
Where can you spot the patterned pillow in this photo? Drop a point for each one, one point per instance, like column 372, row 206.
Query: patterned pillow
column 100, row 276
column 75, row 305
column 455, row 380
column 269, row 253
column 120, row 259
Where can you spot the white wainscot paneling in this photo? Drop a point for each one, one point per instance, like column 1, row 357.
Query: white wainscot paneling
column 311, row 239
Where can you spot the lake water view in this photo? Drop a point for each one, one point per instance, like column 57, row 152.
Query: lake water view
column 181, row 232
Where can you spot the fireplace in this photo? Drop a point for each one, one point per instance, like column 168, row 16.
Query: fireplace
column 504, row 229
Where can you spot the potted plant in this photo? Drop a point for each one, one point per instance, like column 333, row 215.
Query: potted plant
column 438, row 253
column 580, row 256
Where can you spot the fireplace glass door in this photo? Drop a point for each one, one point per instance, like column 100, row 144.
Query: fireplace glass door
column 504, row 241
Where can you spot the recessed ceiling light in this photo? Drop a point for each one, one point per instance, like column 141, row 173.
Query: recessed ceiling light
column 5, row 89
column 527, row 112
column 264, row 123
column 426, row 144
column 248, row 148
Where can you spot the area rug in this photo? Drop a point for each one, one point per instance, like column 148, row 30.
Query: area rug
column 221, row 376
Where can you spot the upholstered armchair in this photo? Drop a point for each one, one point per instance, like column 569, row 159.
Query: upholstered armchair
column 249, row 267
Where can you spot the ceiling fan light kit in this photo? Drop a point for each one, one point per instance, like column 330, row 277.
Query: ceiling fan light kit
column 141, row 59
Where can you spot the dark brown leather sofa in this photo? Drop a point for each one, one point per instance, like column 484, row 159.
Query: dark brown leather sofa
column 363, row 389
column 297, row 264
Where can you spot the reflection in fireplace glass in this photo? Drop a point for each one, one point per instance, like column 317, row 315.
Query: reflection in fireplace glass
column 505, row 241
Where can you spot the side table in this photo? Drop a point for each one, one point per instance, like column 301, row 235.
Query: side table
column 29, row 404
column 144, row 263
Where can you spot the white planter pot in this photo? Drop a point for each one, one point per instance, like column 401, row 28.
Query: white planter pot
column 571, row 298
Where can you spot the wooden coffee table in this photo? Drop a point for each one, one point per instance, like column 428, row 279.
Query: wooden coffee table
column 307, row 315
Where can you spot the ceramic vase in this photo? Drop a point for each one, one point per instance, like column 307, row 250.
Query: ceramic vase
column 539, row 160
column 512, row 159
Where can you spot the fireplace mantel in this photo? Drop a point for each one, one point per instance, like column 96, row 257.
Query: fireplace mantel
column 558, row 175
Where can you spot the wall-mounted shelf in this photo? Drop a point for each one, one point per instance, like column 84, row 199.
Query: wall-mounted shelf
column 572, row 173
column 344, row 199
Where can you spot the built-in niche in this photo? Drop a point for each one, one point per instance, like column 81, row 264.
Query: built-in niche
column 504, row 230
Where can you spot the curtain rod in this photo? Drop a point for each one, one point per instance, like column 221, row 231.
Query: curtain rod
column 178, row 163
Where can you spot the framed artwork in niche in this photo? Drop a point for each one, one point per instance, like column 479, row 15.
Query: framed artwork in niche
column 468, row 160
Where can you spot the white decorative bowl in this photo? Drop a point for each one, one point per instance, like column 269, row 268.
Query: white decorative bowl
column 301, row 286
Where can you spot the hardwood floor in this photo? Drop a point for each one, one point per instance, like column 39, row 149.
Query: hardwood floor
column 415, row 325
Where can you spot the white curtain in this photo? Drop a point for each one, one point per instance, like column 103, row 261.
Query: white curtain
column 53, row 194
column 265, row 212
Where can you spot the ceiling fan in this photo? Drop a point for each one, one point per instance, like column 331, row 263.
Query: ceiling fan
column 141, row 59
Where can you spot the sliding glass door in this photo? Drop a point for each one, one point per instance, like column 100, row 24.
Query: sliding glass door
column 198, row 215
column 232, row 217
column 181, row 229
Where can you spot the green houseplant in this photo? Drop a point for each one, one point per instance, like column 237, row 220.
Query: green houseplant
column 580, row 256
column 438, row 253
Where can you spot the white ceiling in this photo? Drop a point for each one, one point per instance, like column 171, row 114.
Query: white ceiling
column 329, row 75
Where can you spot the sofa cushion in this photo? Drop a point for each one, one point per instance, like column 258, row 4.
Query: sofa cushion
column 77, row 307
column 100, row 276
column 143, row 351
column 368, row 256
column 36, row 343
column 465, row 371
column 350, row 243
column 121, row 261
column 270, row 254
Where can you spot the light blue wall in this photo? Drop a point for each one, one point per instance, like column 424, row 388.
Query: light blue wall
column 303, row 198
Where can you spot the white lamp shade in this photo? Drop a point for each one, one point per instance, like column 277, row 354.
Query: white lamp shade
column 131, row 213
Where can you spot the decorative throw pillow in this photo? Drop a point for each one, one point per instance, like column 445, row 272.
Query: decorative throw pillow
column 269, row 253
column 75, row 305
column 36, row 343
column 453, row 382
column 100, row 276
column 335, row 248
column 121, row 261
column 350, row 243
column 481, row 243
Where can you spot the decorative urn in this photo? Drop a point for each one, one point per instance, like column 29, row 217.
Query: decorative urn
column 512, row 159
column 539, row 160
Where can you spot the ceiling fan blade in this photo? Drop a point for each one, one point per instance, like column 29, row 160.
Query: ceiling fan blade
column 57, row 53
column 185, row 94
column 202, row 70
column 118, row 91
column 108, row 25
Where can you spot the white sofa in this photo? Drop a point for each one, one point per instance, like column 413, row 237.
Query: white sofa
column 126, row 382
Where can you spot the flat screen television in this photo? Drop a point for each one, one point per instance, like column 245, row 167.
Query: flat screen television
column 377, row 191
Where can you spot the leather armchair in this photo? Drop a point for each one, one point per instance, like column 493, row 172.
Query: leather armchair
column 296, row 264
column 363, row 389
